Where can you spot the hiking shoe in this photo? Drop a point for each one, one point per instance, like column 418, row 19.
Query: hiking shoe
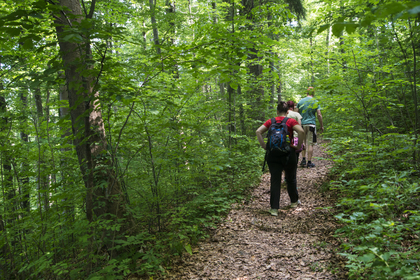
column 274, row 212
column 310, row 165
column 303, row 163
column 295, row 204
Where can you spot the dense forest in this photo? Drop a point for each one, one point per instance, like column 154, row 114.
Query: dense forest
column 127, row 127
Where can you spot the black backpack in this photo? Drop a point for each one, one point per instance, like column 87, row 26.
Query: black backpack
column 278, row 142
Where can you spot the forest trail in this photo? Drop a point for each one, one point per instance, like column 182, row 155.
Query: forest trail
column 252, row 244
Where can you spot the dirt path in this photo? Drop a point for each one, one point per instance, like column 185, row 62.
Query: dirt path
column 252, row 244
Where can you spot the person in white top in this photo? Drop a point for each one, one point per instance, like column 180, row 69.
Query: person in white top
column 291, row 112
column 298, row 117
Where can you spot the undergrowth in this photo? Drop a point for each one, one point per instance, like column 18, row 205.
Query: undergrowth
column 379, row 207
column 209, row 200
column 191, row 200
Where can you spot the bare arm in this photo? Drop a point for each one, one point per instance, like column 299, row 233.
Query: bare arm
column 259, row 133
column 318, row 112
column 301, row 135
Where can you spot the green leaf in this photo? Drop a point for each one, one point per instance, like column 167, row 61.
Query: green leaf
column 386, row 256
column 415, row 10
column 11, row 31
column 28, row 44
column 74, row 38
column 351, row 27
column 392, row 8
column 377, row 263
column 367, row 258
column 15, row 15
column 337, row 29
column 188, row 249
column 367, row 21
column 41, row 4
column 322, row 28
column 36, row 15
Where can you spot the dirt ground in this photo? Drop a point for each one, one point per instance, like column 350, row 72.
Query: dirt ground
column 252, row 244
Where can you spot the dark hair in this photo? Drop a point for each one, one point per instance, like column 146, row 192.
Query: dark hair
column 290, row 104
column 282, row 107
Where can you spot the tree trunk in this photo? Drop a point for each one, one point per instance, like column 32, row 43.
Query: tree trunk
column 7, row 175
column 104, row 197
column 63, row 113
column 214, row 12
column 6, row 180
column 255, row 67
column 327, row 53
column 43, row 184
column 24, row 180
column 231, row 113
column 312, row 63
column 279, row 90
column 414, row 92
column 152, row 5
column 241, row 112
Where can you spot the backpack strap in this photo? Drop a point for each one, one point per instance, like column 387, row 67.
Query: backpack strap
column 284, row 120
column 273, row 121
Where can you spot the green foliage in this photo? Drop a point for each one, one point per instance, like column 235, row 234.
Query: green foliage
column 165, row 118
column 370, row 122
column 180, row 100
column 379, row 203
column 371, row 15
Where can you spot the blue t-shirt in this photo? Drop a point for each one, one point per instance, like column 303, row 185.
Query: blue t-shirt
column 307, row 108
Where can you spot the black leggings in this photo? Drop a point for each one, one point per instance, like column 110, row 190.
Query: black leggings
column 276, row 166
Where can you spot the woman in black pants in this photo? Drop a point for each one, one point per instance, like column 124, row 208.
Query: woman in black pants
column 278, row 164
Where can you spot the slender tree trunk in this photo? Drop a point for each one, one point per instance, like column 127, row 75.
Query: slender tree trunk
column 255, row 67
column 327, row 53
column 231, row 110
column 273, row 86
column 152, row 6
column 230, row 90
column 312, row 63
column 43, row 182
column 342, row 50
column 66, row 132
column 416, row 108
column 273, row 81
column 7, row 175
column 172, row 31
column 24, row 180
column 241, row 113
column 8, row 192
column 213, row 6
column 279, row 90
column 408, row 69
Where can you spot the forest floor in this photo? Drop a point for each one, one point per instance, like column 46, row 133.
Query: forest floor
column 252, row 244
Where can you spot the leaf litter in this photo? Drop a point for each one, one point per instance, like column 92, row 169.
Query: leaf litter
column 252, row 244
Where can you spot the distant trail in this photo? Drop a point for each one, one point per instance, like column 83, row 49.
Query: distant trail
column 252, row 244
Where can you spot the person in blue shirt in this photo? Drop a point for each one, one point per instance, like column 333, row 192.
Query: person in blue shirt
column 308, row 107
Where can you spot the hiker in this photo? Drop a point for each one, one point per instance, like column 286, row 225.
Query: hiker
column 307, row 107
column 295, row 115
column 277, row 164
